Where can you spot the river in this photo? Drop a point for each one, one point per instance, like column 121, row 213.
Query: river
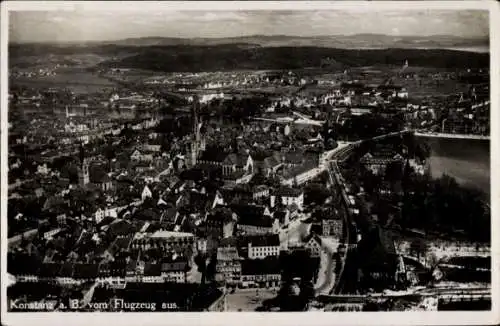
column 467, row 160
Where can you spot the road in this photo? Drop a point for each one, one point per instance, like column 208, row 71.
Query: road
column 248, row 300
column 346, row 280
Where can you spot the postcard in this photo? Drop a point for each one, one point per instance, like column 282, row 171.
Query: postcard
column 249, row 162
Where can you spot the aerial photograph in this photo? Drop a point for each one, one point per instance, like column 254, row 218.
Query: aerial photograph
column 248, row 160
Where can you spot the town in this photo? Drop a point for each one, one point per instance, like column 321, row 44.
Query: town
column 166, row 160
column 211, row 193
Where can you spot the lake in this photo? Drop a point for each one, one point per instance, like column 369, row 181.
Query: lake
column 467, row 160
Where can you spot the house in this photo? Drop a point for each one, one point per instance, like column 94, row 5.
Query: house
column 262, row 246
column 254, row 219
column 153, row 273
column 146, row 193
column 260, row 273
column 261, row 225
column 287, row 196
column 237, row 163
column 110, row 211
column 221, row 223
column 271, row 165
column 260, row 191
column 283, row 217
column 85, row 272
column 166, row 241
column 300, row 174
column 174, row 270
column 318, row 243
column 332, row 227
column 156, row 148
column 101, row 179
column 213, row 157
column 112, row 274
column 138, row 156
column 237, row 177
column 266, row 164
column 49, row 234
column 314, row 246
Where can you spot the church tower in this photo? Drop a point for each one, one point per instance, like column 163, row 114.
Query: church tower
column 83, row 169
column 196, row 137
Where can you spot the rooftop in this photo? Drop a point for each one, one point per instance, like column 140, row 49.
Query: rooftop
column 170, row 234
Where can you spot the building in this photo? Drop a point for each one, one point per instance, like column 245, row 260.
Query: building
column 174, row 270
column 254, row 220
column 263, row 225
column 378, row 163
column 318, row 243
column 220, row 224
column 300, row 174
column 267, row 164
column 146, row 193
column 288, row 196
column 262, row 246
column 237, row 163
column 139, row 156
column 260, row 191
column 260, row 273
column 228, row 268
column 314, row 246
column 84, row 173
column 332, row 227
column 166, row 241
column 378, row 268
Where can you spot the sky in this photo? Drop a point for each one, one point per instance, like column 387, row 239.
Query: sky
column 64, row 26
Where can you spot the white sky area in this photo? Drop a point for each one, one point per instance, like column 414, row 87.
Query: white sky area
column 63, row 26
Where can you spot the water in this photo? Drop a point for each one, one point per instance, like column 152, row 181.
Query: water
column 467, row 160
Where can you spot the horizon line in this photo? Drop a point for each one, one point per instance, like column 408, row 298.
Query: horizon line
column 469, row 37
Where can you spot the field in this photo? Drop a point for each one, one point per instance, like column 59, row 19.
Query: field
column 79, row 82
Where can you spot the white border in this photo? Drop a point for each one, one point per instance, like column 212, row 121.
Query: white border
column 243, row 318
column 148, row 6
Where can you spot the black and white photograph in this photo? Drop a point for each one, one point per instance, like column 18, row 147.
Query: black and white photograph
column 223, row 157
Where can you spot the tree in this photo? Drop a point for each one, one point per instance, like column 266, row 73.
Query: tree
column 423, row 151
column 419, row 248
column 394, row 171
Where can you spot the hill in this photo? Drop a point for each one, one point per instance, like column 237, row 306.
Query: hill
column 231, row 57
column 330, row 41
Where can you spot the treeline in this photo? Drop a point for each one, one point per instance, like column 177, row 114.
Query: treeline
column 444, row 206
column 228, row 57
column 363, row 127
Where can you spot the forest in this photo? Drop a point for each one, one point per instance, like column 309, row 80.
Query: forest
column 230, row 57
